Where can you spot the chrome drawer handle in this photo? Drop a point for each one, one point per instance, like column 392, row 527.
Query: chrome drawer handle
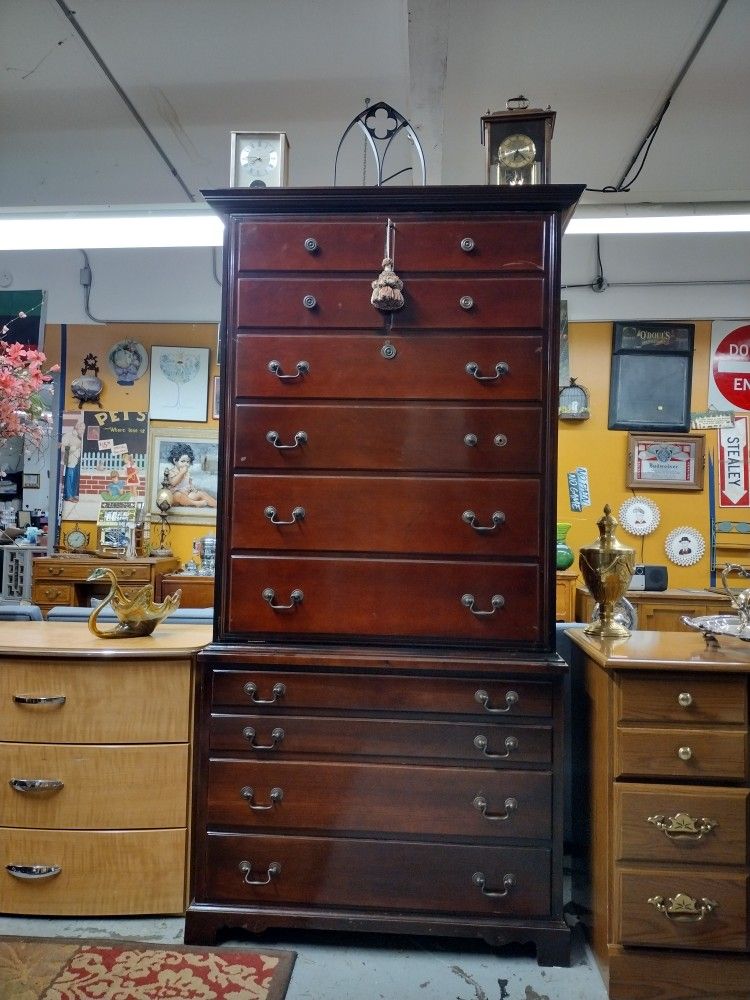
column 30, row 699
column 272, row 871
column 309, row 302
column 683, row 908
column 274, row 367
column 509, row 880
column 35, row 784
column 466, row 302
column 269, row 595
column 511, row 744
column 467, row 244
column 497, row 602
column 682, row 826
column 685, row 753
column 511, row 698
column 511, row 804
column 33, row 871
column 470, row 518
column 275, row 795
column 311, row 244
column 684, row 699
column 277, row 736
column 501, row 368
column 499, row 440
column 278, row 691
column 298, row 514
column 273, row 437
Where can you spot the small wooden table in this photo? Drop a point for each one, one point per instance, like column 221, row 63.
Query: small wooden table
column 197, row 591
column 565, row 595
column 661, row 610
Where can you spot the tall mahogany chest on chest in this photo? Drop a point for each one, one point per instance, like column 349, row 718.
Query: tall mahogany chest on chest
column 379, row 724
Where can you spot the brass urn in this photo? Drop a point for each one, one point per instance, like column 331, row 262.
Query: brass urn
column 607, row 568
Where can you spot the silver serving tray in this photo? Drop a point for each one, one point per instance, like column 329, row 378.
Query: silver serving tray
column 720, row 625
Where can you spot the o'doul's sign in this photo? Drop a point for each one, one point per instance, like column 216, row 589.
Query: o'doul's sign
column 734, row 487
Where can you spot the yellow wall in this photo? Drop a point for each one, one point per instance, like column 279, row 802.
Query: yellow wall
column 99, row 340
column 603, row 452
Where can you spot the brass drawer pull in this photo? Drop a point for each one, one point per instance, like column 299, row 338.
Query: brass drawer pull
column 509, row 880
column 511, row 699
column 275, row 795
column 31, row 699
column 298, row 514
column 273, row 437
column 311, row 244
column 269, row 596
column 684, row 699
column 272, row 871
column 501, row 368
column 54, row 592
column 126, row 574
column 35, row 784
column 682, row 826
column 497, row 601
column 33, row 871
column 55, row 570
column 510, row 744
column 278, row 691
column 467, row 244
column 470, row 518
column 309, row 302
column 683, row 908
column 277, row 736
column 275, row 368
column 511, row 804
column 466, row 302
column 685, row 753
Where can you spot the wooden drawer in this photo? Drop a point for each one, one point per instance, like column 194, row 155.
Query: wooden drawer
column 103, row 787
column 714, row 753
column 389, row 514
column 423, row 366
column 707, row 826
column 415, row 438
column 517, row 244
column 389, row 875
column 434, row 303
column 650, row 698
column 69, row 570
column 111, row 872
column 381, row 693
column 117, row 702
column 494, row 744
column 404, row 598
column 426, row 801
column 638, row 922
column 52, row 593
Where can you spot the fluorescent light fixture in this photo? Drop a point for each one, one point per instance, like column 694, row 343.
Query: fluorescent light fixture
column 113, row 228
column 660, row 219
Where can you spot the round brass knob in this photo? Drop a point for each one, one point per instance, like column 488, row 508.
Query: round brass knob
column 685, row 753
column 685, row 699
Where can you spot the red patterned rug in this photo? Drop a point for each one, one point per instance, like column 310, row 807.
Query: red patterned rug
column 55, row 969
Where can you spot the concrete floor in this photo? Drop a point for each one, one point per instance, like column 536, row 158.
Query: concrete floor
column 369, row 967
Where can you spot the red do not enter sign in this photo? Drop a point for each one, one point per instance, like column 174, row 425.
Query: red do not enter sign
column 731, row 367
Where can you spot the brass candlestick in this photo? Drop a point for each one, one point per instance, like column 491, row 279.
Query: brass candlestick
column 607, row 568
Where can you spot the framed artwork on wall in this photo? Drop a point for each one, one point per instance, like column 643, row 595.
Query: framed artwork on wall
column 666, row 461
column 179, row 384
column 188, row 458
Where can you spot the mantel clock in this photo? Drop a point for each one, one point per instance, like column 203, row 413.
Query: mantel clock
column 517, row 143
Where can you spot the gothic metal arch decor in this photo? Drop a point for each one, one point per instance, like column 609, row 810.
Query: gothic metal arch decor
column 376, row 119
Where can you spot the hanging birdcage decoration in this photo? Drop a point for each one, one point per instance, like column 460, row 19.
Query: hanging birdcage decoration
column 574, row 402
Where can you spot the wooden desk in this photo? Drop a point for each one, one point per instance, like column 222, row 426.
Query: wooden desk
column 63, row 579
column 661, row 611
column 197, row 591
column 663, row 807
column 565, row 595
column 109, row 830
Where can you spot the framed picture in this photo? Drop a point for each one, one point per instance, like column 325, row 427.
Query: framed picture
column 187, row 460
column 31, row 480
column 666, row 461
column 179, row 384
column 216, row 406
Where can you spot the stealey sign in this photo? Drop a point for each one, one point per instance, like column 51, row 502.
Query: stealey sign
column 734, row 485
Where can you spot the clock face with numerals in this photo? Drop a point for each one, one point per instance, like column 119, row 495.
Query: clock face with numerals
column 76, row 539
column 259, row 159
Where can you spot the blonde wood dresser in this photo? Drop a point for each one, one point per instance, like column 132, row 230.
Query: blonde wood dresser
column 95, row 760
column 664, row 890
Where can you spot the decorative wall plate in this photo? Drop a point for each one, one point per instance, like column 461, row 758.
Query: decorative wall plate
column 639, row 516
column 684, row 546
column 128, row 361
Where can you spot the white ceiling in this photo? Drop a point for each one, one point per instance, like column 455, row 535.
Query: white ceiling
column 196, row 69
